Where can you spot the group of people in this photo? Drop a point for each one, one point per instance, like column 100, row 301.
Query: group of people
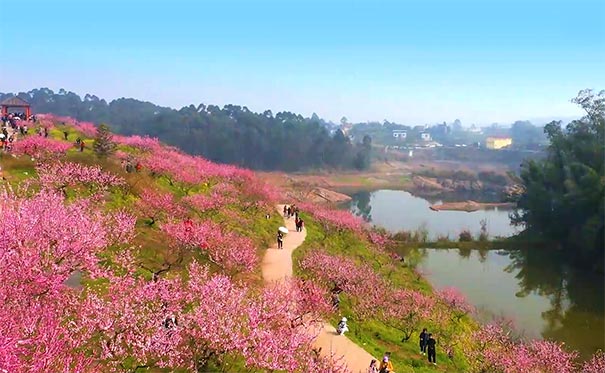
column 385, row 366
column 290, row 211
column 427, row 346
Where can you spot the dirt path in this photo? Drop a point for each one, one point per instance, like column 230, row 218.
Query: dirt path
column 277, row 266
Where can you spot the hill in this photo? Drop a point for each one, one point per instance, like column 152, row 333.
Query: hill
column 149, row 260
column 232, row 134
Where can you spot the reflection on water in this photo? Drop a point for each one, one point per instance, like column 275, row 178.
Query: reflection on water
column 543, row 296
column 397, row 210
column 537, row 289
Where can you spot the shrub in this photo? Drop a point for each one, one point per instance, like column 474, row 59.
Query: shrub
column 465, row 236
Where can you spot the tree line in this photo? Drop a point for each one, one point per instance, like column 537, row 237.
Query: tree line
column 231, row 134
column 564, row 194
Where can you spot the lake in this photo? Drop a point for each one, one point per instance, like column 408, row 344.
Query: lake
column 397, row 210
column 536, row 289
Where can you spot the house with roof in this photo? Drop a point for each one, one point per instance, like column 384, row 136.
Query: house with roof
column 15, row 105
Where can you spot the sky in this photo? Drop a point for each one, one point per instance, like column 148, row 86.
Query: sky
column 411, row 62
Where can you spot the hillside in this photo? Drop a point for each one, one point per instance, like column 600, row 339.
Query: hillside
column 149, row 259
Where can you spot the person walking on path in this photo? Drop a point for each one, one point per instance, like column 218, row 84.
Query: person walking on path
column 81, row 146
column 280, row 240
column 431, row 349
column 424, row 336
column 373, row 368
column 285, row 210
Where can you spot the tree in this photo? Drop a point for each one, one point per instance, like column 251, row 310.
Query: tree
column 104, row 145
column 564, row 195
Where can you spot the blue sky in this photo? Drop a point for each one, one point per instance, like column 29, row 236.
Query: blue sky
column 412, row 62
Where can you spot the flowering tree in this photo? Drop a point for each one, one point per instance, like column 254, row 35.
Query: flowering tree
column 455, row 302
column 60, row 175
column 43, row 240
column 404, row 310
column 228, row 250
column 340, row 220
column 596, row 364
column 40, row 147
column 156, row 205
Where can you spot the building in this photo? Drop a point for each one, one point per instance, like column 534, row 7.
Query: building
column 498, row 142
column 400, row 134
column 425, row 136
column 15, row 105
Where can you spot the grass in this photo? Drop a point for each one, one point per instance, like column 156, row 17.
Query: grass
column 374, row 336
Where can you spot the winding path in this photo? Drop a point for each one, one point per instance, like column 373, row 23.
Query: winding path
column 277, row 266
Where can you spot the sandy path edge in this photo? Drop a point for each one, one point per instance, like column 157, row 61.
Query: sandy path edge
column 277, row 266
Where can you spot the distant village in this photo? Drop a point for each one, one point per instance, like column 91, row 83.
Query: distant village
column 518, row 136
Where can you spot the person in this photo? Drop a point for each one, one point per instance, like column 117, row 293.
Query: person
column 423, row 339
column 387, row 365
column 335, row 300
column 373, row 368
column 431, row 349
column 81, row 146
column 342, row 327
column 285, row 210
column 289, row 211
column 65, row 133
column 280, row 240
column 138, row 167
column 301, row 225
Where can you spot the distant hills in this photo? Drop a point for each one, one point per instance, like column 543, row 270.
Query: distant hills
column 231, row 134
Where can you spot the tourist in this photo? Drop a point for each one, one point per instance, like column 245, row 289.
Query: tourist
column 373, row 368
column 280, row 240
column 285, row 210
column 65, row 133
column 423, row 339
column 386, row 366
column 335, row 300
column 289, row 211
column 81, row 146
column 299, row 225
column 431, row 349
column 342, row 326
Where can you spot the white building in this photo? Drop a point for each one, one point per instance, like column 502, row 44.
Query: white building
column 425, row 136
column 400, row 134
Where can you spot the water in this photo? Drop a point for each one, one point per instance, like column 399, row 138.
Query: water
column 536, row 289
column 397, row 210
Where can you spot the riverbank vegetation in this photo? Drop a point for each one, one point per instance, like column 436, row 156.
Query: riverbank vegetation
column 563, row 196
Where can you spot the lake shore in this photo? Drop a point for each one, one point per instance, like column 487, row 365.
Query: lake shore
column 470, row 206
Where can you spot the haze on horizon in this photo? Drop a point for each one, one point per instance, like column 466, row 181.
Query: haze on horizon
column 410, row 62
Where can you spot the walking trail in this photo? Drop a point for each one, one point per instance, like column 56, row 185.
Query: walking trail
column 277, row 266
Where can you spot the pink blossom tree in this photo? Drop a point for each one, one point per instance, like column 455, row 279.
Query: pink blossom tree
column 40, row 147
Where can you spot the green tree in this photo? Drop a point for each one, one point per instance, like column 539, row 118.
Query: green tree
column 564, row 195
column 103, row 145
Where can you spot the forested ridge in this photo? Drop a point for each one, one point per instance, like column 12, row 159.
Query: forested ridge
column 231, row 134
